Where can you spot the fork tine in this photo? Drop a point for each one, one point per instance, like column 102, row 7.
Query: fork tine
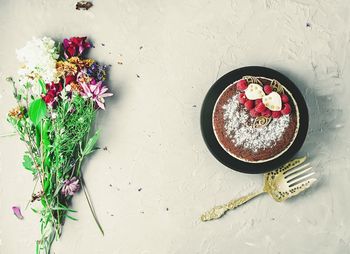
column 298, row 179
column 291, row 171
column 297, row 173
column 292, row 164
column 304, row 184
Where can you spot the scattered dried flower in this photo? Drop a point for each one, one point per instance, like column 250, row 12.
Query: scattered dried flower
column 83, row 5
column 17, row 212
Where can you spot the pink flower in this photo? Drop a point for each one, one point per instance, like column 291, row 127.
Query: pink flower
column 75, row 46
column 70, row 186
column 97, row 92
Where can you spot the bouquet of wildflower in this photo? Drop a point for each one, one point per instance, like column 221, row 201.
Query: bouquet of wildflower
column 58, row 92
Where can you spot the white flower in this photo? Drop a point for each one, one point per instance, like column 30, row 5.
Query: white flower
column 68, row 88
column 38, row 57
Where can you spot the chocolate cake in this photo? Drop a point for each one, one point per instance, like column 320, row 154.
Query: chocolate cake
column 255, row 119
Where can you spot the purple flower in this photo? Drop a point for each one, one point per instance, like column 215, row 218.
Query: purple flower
column 17, row 211
column 70, row 186
column 97, row 71
column 97, row 92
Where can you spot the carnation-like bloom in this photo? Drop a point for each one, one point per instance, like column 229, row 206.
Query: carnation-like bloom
column 81, row 63
column 53, row 90
column 75, row 46
column 70, row 186
column 66, row 68
column 69, row 79
column 97, row 92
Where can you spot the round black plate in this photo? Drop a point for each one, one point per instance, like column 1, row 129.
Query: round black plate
column 208, row 131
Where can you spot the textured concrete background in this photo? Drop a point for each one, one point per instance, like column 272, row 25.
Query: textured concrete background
column 152, row 132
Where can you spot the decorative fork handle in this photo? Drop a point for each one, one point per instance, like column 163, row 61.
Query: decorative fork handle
column 218, row 211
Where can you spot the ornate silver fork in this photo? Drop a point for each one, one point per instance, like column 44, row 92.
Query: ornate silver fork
column 282, row 183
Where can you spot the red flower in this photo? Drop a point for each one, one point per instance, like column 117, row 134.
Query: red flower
column 53, row 91
column 70, row 79
column 75, row 46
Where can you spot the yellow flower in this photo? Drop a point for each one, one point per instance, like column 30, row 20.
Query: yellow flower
column 76, row 87
column 66, row 68
column 81, row 63
column 17, row 112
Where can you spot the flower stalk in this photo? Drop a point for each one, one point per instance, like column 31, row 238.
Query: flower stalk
column 58, row 93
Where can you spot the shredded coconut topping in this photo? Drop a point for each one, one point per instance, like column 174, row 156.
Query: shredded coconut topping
column 239, row 128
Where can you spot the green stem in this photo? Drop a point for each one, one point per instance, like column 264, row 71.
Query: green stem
column 36, row 183
column 56, row 225
column 90, row 204
column 8, row 134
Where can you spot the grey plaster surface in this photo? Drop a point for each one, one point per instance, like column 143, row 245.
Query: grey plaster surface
column 172, row 52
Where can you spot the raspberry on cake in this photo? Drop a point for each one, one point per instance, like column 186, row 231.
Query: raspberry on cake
column 255, row 119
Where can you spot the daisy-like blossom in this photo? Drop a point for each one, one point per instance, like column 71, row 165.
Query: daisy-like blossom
column 97, row 92
column 70, row 186
column 38, row 57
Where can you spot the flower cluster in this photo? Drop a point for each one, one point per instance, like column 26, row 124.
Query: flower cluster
column 70, row 71
column 70, row 186
column 58, row 92
column 38, row 60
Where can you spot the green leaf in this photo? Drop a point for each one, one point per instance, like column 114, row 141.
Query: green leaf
column 34, row 210
column 47, row 161
column 43, row 202
column 64, row 209
column 46, row 185
column 43, row 86
column 37, row 135
column 44, row 133
column 91, row 143
column 27, row 85
column 37, row 111
column 58, row 189
column 36, row 247
column 28, row 163
column 70, row 217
